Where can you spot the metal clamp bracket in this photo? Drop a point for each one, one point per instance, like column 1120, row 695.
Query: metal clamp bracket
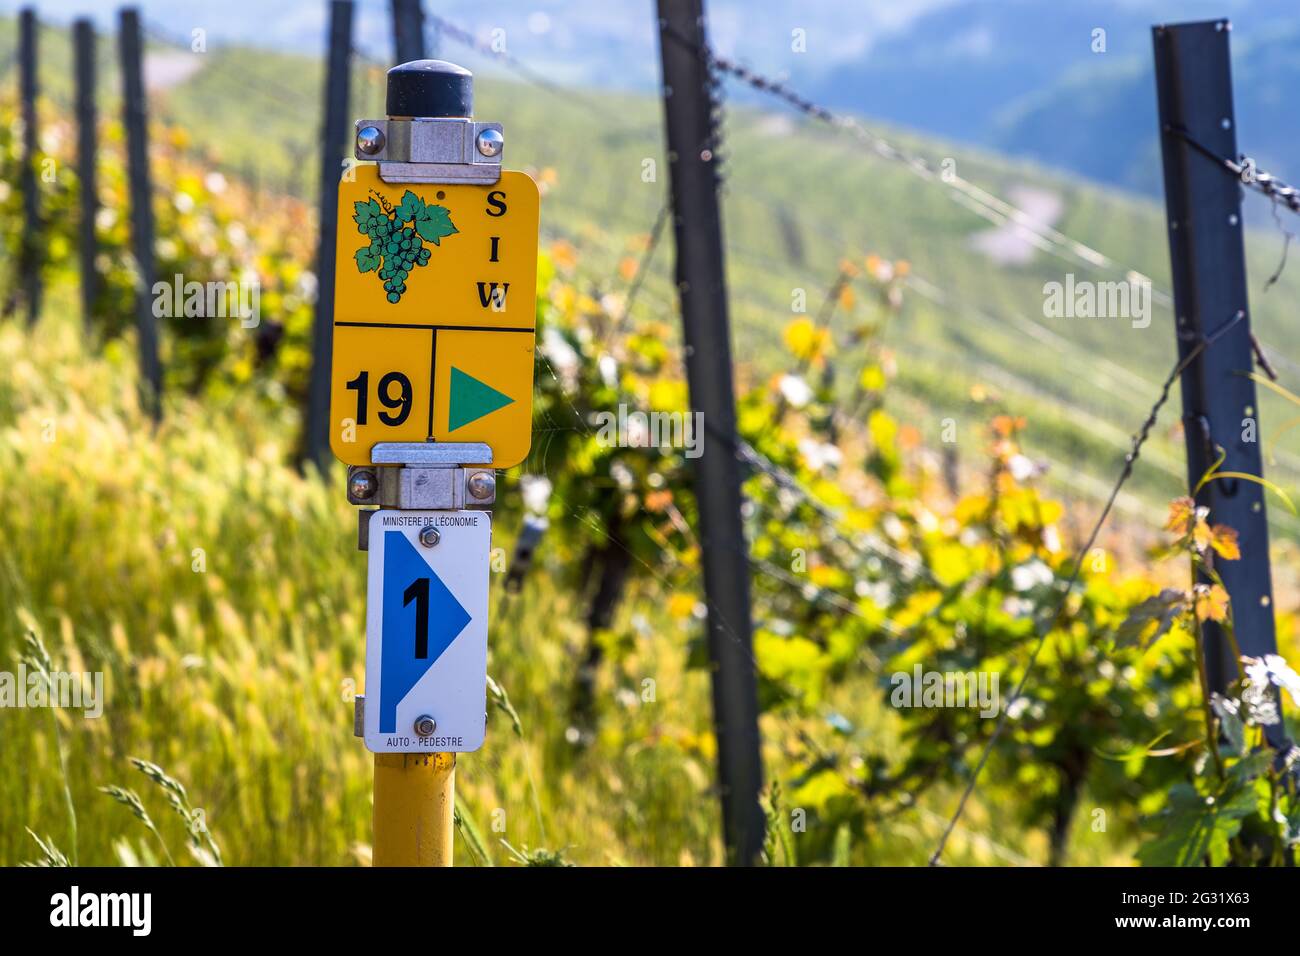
column 423, row 476
column 435, row 454
column 432, row 150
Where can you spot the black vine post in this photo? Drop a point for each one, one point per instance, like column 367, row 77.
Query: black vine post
column 408, row 30
column 135, row 117
column 702, row 291
column 316, row 445
column 83, row 38
column 31, row 255
column 1208, row 259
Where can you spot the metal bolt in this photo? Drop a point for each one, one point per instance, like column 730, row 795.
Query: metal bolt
column 491, row 142
column 362, row 484
column 482, row 485
column 370, row 139
column 429, row 536
column 425, row 725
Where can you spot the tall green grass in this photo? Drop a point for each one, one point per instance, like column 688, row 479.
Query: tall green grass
column 222, row 594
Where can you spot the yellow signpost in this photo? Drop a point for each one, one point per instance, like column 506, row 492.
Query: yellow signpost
column 431, row 390
column 434, row 315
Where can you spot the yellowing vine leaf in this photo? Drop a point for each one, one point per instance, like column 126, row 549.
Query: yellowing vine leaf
column 1180, row 516
column 1224, row 542
column 1211, row 603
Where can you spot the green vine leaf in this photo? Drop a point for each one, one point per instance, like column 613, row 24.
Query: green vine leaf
column 1162, row 609
column 366, row 209
column 366, row 262
column 1194, row 827
column 434, row 224
column 411, row 207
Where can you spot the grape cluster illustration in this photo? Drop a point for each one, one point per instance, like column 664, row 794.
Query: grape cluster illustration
column 398, row 237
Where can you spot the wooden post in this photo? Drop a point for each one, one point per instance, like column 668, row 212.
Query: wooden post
column 316, row 445
column 83, row 32
column 702, row 289
column 408, row 30
column 31, row 246
column 136, row 119
column 1208, row 259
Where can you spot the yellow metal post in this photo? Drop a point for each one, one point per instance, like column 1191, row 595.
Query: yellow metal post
column 414, row 802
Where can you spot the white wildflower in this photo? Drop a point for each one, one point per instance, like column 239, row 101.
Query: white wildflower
column 608, row 366
column 1051, row 539
column 1026, row 577
column 563, row 357
column 1021, row 468
column 878, row 593
column 1273, row 670
column 1017, row 607
column 626, row 698
column 818, row 455
column 622, row 476
column 1257, row 697
column 308, row 286
column 536, row 492
column 795, row 390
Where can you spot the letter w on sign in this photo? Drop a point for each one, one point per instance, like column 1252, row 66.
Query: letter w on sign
column 490, row 292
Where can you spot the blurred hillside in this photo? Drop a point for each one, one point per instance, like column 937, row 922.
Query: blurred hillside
column 971, row 341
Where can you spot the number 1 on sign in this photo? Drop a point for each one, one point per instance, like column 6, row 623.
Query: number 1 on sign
column 418, row 591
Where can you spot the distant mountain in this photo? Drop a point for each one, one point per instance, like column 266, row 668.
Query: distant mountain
column 1103, row 124
column 1022, row 77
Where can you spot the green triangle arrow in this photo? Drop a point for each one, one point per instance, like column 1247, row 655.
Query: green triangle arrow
column 471, row 400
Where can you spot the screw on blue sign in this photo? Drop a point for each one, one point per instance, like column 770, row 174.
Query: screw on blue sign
column 421, row 619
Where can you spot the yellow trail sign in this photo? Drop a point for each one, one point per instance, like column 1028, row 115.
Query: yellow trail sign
column 435, row 303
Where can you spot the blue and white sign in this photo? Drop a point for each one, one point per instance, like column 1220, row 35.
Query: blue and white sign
column 426, row 631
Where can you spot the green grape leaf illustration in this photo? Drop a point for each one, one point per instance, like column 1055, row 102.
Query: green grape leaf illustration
column 396, row 239
column 435, row 224
column 411, row 207
column 366, row 260
column 370, row 208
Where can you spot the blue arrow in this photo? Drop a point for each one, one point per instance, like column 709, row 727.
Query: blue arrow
column 421, row 619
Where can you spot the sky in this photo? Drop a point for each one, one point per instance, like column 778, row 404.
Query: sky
column 539, row 26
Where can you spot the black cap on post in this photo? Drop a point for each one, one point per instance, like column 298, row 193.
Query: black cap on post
column 430, row 88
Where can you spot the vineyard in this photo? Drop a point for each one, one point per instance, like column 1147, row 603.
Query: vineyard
column 937, row 478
